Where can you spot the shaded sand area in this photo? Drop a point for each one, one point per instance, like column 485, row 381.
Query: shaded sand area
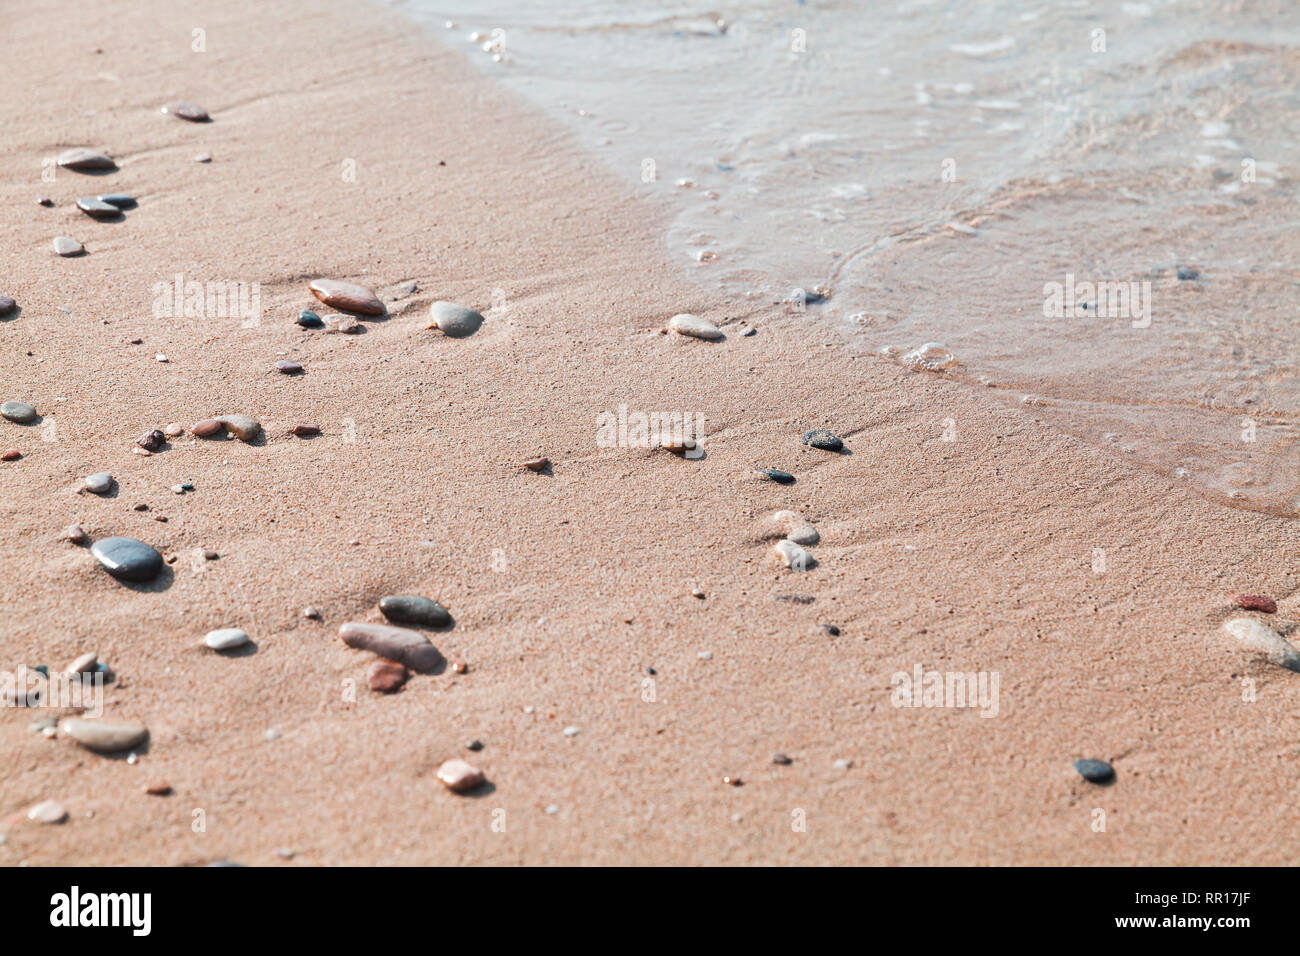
column 1095, row 591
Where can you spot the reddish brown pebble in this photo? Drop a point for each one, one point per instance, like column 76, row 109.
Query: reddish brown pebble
column 187, row 111
column 302, row 431
column 346, row 296
column 45, row 201
column 385, row 677
column 459, row 776
column 152, row 440
column 537, row 464
column 137, row 341
column 287, row 368
column 207, row 428
column 11, row 454
column 459, row 666
column 1255, row 602
column 75, row 534
column 159, row 789
column 349, row 325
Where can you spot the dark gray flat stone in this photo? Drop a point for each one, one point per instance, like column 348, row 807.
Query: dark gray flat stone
column 414, row 609
column 821, row 438
column 127, row 559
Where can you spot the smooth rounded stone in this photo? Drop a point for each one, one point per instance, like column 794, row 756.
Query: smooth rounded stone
column 1255, row 602
column 67, row 246
column 203, row 158
column 414, row 609
column 45, row 201
column 386, row 677
column 10, row 454
column 187, row 111
column 104, row 736
column 781, row 760
column 454, row 320
column 82, row 159
column 1095, row 771
column 47, row 811
column 119, row 200
column 84, row 664
column 1264, row 641
column 804, row 534
column 76, row 534
column 226, row 639
column 775, row 474
column 19, row 412
column 207, row 428
column 285, row 367
column 793, row 556
column 241, row 426
column 174, row 430
column 537, row 464
column 686, row 324
column 152, row 440
column 127, row 559
column 96, row 209
column 309, row 319
column 346, row 296
column 821, row 438
column 459, row 775
column 305, row 430
column 393, row 643
column 7, row 304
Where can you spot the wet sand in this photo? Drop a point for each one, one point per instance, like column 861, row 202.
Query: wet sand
column 975, row 554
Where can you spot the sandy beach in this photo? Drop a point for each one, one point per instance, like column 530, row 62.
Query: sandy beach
column 634, row 653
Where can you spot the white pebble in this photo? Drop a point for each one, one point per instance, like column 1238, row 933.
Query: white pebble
column 1265, row 641
column 225, row 639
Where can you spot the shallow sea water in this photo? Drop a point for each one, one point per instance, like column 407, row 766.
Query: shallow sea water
column 938, row 169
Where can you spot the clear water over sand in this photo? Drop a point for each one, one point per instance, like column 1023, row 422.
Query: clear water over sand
column 941, row 169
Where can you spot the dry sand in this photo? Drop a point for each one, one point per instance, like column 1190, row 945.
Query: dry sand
column 970, row 555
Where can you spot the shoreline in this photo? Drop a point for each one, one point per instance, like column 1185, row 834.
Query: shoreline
column 971, row 555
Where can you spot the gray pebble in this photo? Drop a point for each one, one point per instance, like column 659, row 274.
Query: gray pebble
column 99, row 483
column 127, row 559
column 19, row 412
column 414, row 609
column 1095, row 771
column 454, row 320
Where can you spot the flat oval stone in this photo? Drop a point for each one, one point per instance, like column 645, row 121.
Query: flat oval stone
column 207, row 428
column 241, row 426
column 347, row 296
column 393, row 643
column 99, row 483
column 454, row 320
column 187, row 111
column 19, row 412
column 47, row 811
column 226, row 638
column 458, row 775
column 305, row 430
column 67, row 246
column 285, row 367
column 81, row 158
column 775, row 474
column 119, row 200
column 686, row 324
column 7, row 304
column 127, row 559
column 821, row 438
column 414, row 609
column 104, row 736
column 804, row 534
column 309, row 319
column 97, row 209
column 1095, row 771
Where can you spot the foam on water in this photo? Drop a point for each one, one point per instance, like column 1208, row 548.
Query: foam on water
column 939, row 169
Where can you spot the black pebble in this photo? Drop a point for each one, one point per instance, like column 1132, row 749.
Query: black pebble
column 780, row 477
column 309, row 319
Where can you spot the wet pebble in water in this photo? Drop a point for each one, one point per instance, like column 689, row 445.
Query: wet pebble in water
column 127, row 559
column 1095, row 771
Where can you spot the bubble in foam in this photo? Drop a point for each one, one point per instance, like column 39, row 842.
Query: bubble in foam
column 930, row 357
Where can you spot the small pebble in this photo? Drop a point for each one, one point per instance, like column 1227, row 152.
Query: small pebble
column 45, row 201
column 82, row 159
column 571, row 731
column 187, row 111
column 393, row 643
column 203, row 158
column 76, row 534
column 458, row 665
column 311, row 612
column 348, row 325
column 309, row 319
column 414, row 609
column 104, row 736
column 474, row 745
column 119, row 200
column 207, row 428
column 843, row 764
column 831, row 629
column 1264, row 641
column 459, row 776
column 820, row 438
column 67, row 246
column 285, row 367
column 775, row 474
column 346, row 296
column 174, row 430
column 160, row 357
column 96, row 209
column 303, row 430
column 792, row 556
column 47, row 811
column 10, row 454
column 698, row 593
column 1187, row 273
column 84, row 664
column 732, row 781
column 241, row 426
column 692, row 325
column 454, row 320
column 226, row 639
column 385, row 676
column 1095, row 771
column 7, row 304
column 1255, row 602
column 127, row 559
column 160, row 788
column 152, row 440
column 781, row 759
column 537, row 464
column 19, row 412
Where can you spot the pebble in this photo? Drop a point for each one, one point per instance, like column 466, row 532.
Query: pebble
column 285, row 367
column 346, row 296
column 45, row 201
column 207, row 428
column 775, row 474
column 414, row 609
column 1095, row 771
column 571, row 731
column 804, row 534
column 1187, row 273
column 76, row 534
column 311, row 612
column 792, row 556
column 474, row 745
column 241, row 426
column 692, row 325
column 174, row 430
column 96, row 209
column 66, row 246
column 127, row 559
column 160, row 357
column 843, row 763
column 152, row 440
column 19, row 412
column 226, row 639
column 1265, row 641
column 537, row 464
column 159, row 788
column 781, row 759
column 187, row 111
column 7, row 304
column 1255, row 602
column 82, row 159
column 458, row 665
column 104, row 736
column 386, row 677
column 393, row 643
column 120, row 200
column 821, row 438
column 458, row 775
column 454, row 320
column 348, row 326
column 10, row 454
column 309, row 319
column 302, row 430
column 48, row 811
column 733, row 781
column 84, row 664
column 203, row 158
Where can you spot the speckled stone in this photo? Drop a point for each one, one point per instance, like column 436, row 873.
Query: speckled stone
column 393, row 643
column 414, row 609
column 454, row 320
column 127, row 559
column 104, row 736
column 19, row 412
column 82, row 160
column 346, row 296
column 1095, row 771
